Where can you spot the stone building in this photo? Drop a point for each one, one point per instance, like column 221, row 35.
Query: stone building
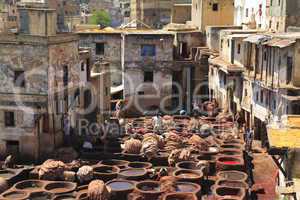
column 181, row 11
column 251, row 13
column 155, row 13
column 39, row 83
column 218, row 12
column 284, row 13
column 9, row 17
column 138, row 60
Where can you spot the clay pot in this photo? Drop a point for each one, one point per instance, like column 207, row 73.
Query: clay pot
column 15, row 195
column 211, row 163
column 186, row 187
column 221, row 192
column 139, row 165
column 60, row 187
column 190, row 165
column 149, row 189
column 41, row 195
column 232, row 175
column 119, row 189
column 106, row 173
column 30, row 185
column 229, row 163
column 180, row 196
column 188, row 175
column 133, row 174
column 114, row 162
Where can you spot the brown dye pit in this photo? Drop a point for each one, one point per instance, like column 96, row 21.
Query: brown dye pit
column 15, row 195
column 120, row 185
column 113, row 162
column 185, row 187
column 65, row 197
column 227, row 191
column 235, row 184
column 133, row 172
column 232, row 175
column 139, row 165
column 30, row 185
column 40, row 196
column 189, row 165
column 60, row 187
column 187, row 175
column 106, row 169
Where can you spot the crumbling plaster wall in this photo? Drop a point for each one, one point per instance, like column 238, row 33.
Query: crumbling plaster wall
column 112, row 51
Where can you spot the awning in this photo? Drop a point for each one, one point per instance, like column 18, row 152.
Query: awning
column 291, row 98
column 257, row 39
column 281, row 43
column 285, row 133
column 284, row 138
column 114, row 90
column 225, row 66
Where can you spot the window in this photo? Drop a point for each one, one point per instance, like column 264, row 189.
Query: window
column 19, row 80
column 289, row 70
column 215, row 7
column 82, row 67
column 274, row 104
column 148, row 50
column 279, row 2
column 277, row 26
column 148, row 76
column 9, row 119
column 261, row 96
column 265, row 55
column 246, row 92
column 65, row 75
column 247, row 12
column 141, row 93
column 239, row 49
column 99, row 48
column 270, row 24
column 257, row 96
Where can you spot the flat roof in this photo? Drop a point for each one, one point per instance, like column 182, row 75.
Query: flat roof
column 127, row 31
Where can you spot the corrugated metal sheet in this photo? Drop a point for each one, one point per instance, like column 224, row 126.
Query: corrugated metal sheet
column 281, row 43
column 257, row 39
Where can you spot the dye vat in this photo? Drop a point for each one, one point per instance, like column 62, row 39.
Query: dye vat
column 15, row 195
column 30, row 185
column 133, row 174
column 60, row 187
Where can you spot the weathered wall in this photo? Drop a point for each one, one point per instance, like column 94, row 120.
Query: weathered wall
column 112, row 51
column 203, row 15
column 181, row 13
column 224, row 16
column 135, row 65
column 213, row 35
